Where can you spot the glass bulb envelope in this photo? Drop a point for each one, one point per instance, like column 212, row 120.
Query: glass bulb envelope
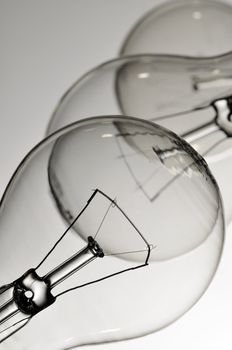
column 200, row 28
column 105, row 220
column 189, row 96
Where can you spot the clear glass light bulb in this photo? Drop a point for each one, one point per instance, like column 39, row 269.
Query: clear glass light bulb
column 111, row 229
column 189, row 96
column 183, row 27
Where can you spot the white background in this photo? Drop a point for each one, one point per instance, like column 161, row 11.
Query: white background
column 45, row 45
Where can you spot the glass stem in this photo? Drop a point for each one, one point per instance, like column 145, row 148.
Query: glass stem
column 11, row 318
column 200, row 132
column 214, row 82
column 222, row 109
column 30, row 293
column 70, row 266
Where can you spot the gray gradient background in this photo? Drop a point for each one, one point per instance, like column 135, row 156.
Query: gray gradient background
column 45, row 46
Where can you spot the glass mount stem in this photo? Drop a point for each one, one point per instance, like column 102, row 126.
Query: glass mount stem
column 30, row 294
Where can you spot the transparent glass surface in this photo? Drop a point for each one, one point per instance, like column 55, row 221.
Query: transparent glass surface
column 183, row 27
column 176, row 92
column 157, row 214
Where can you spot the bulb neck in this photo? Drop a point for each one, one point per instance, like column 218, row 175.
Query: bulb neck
column 30, row 294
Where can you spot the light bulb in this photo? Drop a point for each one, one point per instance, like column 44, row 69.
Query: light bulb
column 182, row 94
column 193, row 28
column 99, row 197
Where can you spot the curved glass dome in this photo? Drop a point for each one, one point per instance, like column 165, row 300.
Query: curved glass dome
column 183, row 94
column 105, row 220
column 200, row 28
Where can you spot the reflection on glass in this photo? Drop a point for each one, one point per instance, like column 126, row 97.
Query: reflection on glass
column 200, row 28
column 112, row 217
